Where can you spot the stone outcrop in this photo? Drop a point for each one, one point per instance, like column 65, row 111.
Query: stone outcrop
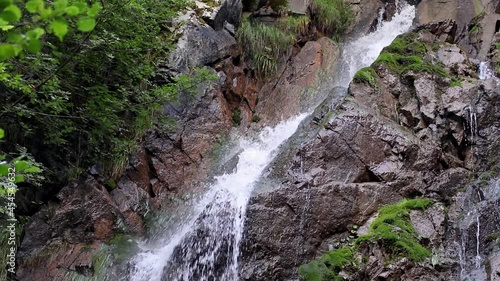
column 419, row 133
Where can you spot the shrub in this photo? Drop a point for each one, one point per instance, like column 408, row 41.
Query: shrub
column 332, row 17
column 264, row 45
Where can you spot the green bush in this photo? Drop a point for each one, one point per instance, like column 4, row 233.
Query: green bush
column 91, row 98
column 264, row 45
column 332, row 17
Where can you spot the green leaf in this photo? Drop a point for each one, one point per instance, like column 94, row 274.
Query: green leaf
column 32, row 170
column 60, row 5
column 11, row 14
column 59, row 28
column 21, row 166
column 86, row 24
column 2, row 134
column 6, row 51
column 35, row 33
column 94, row 10
column 14, row 38
column 72, row 11
column 4, row 169
column 5, row 3
column 34, row 46
column 6, row 27
column 19, row 178
column 34, row 6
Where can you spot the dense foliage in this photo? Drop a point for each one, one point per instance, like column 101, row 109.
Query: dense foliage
column 89, row 98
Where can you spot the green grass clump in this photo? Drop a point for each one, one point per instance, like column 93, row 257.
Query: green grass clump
column 366, row 75
column 332, row 17
column 456, row 82
column 328, row 266
column 264, row 45
column 294, row 24
column 394, row 230
column 237, row 117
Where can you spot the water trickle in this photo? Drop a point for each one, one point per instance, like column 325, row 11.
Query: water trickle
column 478, row 256
column 206, row 246
column 485, row 71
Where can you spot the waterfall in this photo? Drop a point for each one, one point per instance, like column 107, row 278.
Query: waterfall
column 206, row 246
column 485, row 71
column 363, row 51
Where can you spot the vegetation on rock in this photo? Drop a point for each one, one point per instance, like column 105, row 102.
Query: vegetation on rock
column 392, row 230
column 264, row 45
column 366, row 75
column 332, row 17
column 90, row 98
column 406, row 54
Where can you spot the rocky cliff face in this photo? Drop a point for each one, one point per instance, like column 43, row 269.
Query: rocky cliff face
column 418, row 123
column 73, row 235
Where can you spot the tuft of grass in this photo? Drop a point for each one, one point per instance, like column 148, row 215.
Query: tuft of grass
column 255, row 118
column 237, row 117
column 366, row 75
column 456, row 82
column 295, row 24
column 264, row 45
column 332, row 17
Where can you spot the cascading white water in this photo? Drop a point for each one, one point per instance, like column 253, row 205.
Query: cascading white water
column 206, row 246
column 363, row 51
column 221, row 220
column 485, row 71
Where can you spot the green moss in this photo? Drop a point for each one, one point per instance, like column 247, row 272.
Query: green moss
column 497, row 46
column 407, row 44
column 328, row 266
column 406, row 54
column 394, row 230
column 332, row 17
column 237, row 117
column 366, row 75
column 474, row 28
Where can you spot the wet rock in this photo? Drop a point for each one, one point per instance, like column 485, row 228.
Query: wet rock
column 288, row 91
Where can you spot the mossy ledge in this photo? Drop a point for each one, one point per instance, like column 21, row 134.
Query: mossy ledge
column 392, row 230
